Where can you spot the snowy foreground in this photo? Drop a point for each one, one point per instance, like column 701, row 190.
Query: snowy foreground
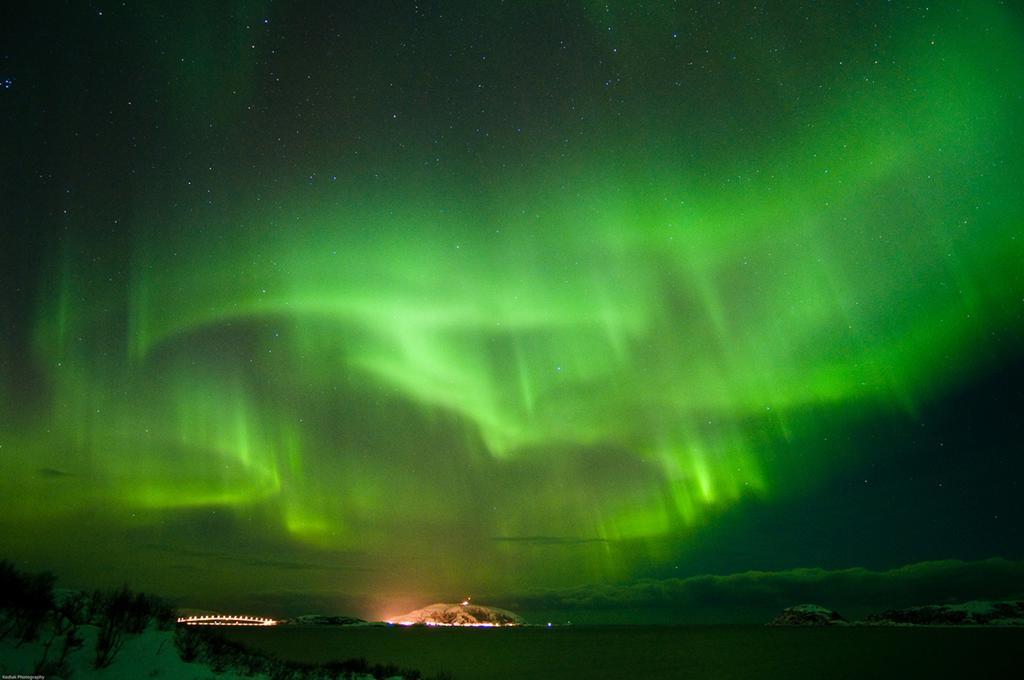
column 150, row 654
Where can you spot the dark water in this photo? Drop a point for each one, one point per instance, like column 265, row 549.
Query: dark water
column 719, row 652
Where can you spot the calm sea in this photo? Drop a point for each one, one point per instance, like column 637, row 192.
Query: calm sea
column 719, row 652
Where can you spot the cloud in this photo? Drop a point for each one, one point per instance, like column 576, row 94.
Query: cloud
column 249, row 561
column 53, row 473
column 547, row 540
column 752, row 594
column 285, row 564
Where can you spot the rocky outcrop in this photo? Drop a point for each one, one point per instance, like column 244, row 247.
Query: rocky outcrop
column 978, row 613
column 442, row 614
column 808, row 615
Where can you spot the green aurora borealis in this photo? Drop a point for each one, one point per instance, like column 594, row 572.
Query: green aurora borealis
column 380, row 304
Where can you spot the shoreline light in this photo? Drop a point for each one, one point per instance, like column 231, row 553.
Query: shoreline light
column 226, row 620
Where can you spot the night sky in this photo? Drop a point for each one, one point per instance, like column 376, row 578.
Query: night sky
column 564, row 305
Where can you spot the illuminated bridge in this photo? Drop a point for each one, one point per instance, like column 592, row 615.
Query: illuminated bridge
column 226, row 620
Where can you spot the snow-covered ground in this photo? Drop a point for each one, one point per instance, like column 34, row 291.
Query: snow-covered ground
column 151, row 654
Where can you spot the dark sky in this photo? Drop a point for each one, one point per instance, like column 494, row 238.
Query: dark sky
column 576, row 307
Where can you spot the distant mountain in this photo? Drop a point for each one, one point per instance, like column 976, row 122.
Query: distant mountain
column 321, row 620
column 976, row 613
column 464, row 614
column 808, row 615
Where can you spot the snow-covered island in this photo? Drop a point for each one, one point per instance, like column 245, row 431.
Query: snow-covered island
column 808, row 615
column 458, row 614
column 974, row 613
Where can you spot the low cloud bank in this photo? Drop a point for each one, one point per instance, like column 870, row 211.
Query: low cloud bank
column 752, row 595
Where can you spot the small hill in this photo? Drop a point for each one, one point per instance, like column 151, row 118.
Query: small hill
column 808, row 615
column 464, row 614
